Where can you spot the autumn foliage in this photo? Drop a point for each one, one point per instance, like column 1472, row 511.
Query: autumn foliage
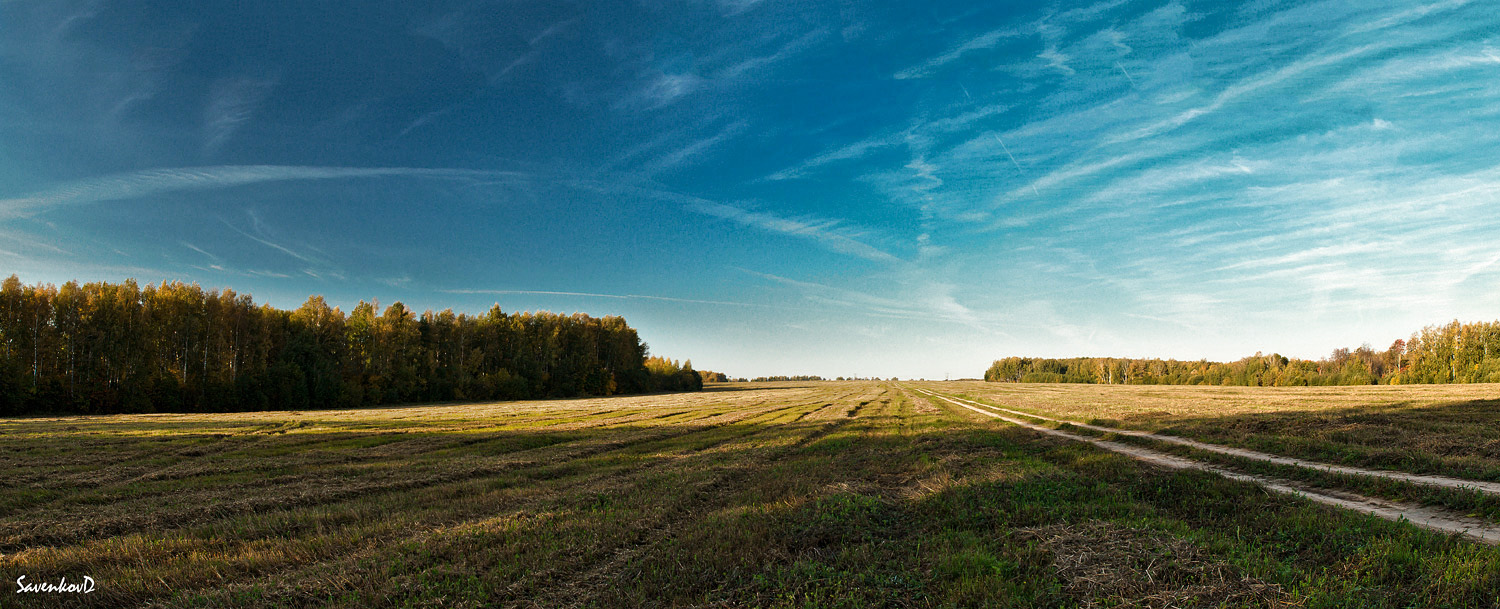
column 1450, row 353
column 108, row 348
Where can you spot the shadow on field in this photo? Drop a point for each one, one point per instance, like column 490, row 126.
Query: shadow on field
column 806, row 506
column 724, row 387
column 979, row 517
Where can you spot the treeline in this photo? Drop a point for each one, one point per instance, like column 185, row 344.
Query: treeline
column 765, row 379
column 668, row 375
column 710, row 376
column 110, row 348
column 1451, row 353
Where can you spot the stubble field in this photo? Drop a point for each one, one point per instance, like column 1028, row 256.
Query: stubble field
column 831, row 494
column 1439, row 429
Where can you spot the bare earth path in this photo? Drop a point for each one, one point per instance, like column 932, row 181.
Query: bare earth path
column 1432, row 518
column 1492, row 488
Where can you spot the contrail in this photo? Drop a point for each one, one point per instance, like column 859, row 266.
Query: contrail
column 1006, row 148
column 1018, row 165
column 1127, row 74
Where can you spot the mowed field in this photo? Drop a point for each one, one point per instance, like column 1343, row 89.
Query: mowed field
column 1439, row 429
column 828, row 494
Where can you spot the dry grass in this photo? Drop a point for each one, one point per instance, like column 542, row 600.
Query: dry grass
column 1146, row 402
column 1108, row 565
column 1447, row 429
column 779, row 495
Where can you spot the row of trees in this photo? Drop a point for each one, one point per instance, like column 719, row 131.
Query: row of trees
column 105, row 348
column 710, row 376
column 1451, row 353
column 668, row 375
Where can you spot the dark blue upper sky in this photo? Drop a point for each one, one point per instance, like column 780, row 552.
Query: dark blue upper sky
column 841, row 188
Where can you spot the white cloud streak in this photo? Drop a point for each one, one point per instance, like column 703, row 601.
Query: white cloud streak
column 932, row 302
column 610, row 296
column 844, row 153
column 831, row 234
column 658, row 91
column 232, row 104
column 756, row 64
column 1057, row 61
column 156, row 182
column 987, row 40
column 694, row 150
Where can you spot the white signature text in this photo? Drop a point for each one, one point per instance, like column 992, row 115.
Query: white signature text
column 62, row 586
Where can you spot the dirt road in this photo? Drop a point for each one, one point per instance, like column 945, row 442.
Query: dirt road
column 1492, row 488
column 1431, row 518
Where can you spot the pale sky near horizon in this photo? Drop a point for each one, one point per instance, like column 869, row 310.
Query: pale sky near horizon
column 839, row 188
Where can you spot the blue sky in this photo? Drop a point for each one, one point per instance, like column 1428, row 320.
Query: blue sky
column 836, row 188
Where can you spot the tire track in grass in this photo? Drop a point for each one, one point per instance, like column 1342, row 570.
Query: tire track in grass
column 1422, row 516
column 1492, row 488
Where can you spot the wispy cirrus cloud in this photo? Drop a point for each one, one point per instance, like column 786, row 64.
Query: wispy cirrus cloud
column 752, row 65
column 211, row 257
column 153, row 182
column 932, row 301
column 263, row 238
column 693, row 151
column 1049, row 26
column 987, row 40
column 309, row 261
column 732, row 8
column 232, row 103
column 1408, row 15
column 1440, row 67
column 1057, row 61
column 609, row 296
column 843, row 153
column 424, row 120
column 1314, row 170
column 1247, row 86
column 659, row 90
column 831, row 234
column 1326, row 171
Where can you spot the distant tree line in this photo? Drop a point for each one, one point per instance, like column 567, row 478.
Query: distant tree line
column 1451, row 353
column 110, row 348
column 710, row 376
column 668, row 375
column 764, row 379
